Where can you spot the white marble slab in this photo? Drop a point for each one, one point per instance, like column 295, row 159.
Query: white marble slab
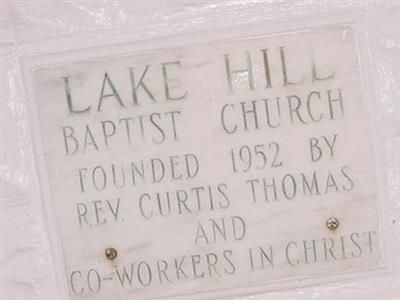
column 211, row 169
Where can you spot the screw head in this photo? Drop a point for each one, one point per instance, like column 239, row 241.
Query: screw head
column 111, row 253
column 332, row 223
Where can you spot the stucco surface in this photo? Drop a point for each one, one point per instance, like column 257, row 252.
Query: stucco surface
column 29, row 27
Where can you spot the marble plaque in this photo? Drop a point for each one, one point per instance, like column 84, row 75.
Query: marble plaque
column 218, row 168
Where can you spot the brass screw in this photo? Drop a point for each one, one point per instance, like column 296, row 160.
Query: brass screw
column 111, row 253
column 332, row 223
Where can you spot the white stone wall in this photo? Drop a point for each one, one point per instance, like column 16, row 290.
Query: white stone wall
column 29, row 27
